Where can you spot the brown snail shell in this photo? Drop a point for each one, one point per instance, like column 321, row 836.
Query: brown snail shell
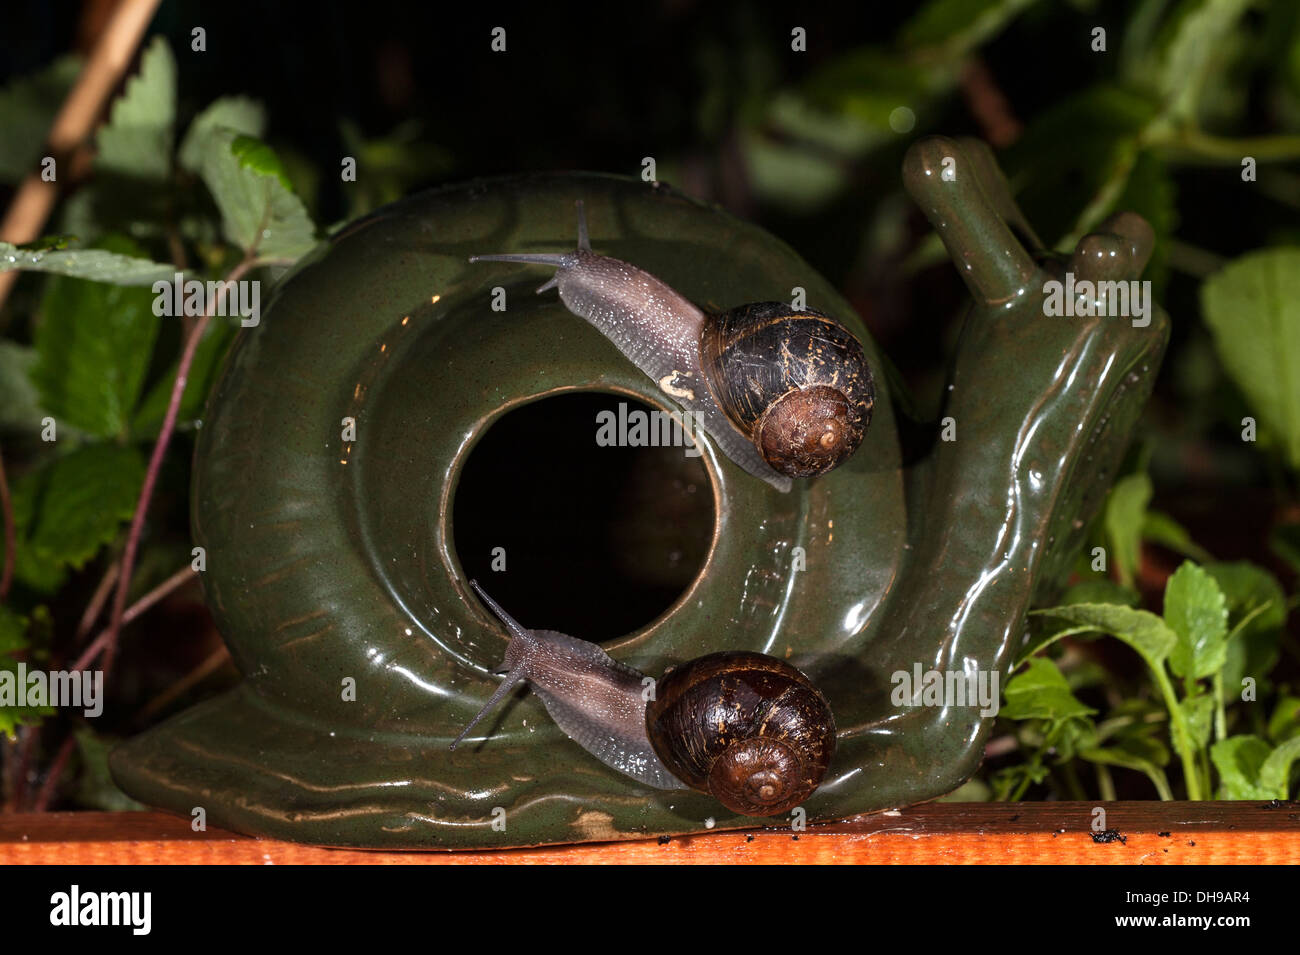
column 796, row 382
column 749, row 729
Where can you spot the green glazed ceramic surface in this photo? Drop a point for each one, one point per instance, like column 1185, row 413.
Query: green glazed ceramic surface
column 331, row 561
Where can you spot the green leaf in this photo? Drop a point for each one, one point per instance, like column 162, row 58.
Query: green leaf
column 137, row 140
column 1164, row 530
column 93, row 345
column 1188, row 47
column 870, row 83
column 1285, row 721
column 1196, row 611
column 28, row 106
column 258, row 210
column 1198, row 712
column 1252, row 650
column 1253, row 309
column 13, row 716
column 1125, row 511
column 1115, row 756
column 96, row 265
column 1040, row 692
column 1239, row 760
column 239, row 114
column 1142, row 630
column 13, row 631
column 1275, row 774
column 1101, row 591
column 203, row 372
column 959, row 25
column 20, row 407
column 65, row 511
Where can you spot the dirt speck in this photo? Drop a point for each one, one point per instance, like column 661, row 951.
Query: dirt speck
column 1109, row 835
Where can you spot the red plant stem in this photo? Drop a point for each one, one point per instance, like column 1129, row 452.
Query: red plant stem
column 7, row 574
column 96, row 605
column 51, row 784
column 107, row 635
column 110, row 635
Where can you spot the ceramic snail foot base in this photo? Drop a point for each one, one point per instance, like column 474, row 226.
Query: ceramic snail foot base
column 254, row 768
column 333, row 562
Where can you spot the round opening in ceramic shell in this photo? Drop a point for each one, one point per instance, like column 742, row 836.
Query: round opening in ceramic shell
column 596, row 540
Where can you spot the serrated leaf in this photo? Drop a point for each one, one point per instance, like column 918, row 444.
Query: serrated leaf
column 1126, row 508
column 1253, row 309
column 1197, row 612
column 28, row 106
column 237, row 113
column 1239, row 760
column 1040, row 692
column 66, row 511
column 1142, row 630
column 203, row 372
column 95, row 265
column 137, row 139
column 93, row 344
column 257, row 209
column 13, row 716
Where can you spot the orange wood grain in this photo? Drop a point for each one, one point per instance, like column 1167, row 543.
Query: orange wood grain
column 1153, row 833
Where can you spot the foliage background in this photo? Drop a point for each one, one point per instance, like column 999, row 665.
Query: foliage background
column 803, row 145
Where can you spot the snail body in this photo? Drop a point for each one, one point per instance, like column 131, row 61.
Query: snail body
column 785, row 392
column 746, row 728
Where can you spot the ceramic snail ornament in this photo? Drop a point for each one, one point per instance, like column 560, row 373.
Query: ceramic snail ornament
column 747, row 728
column 333, row 572
column 785, row 392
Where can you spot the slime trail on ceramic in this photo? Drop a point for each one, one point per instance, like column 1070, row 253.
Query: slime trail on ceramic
column 785, row 393
column 749, row 729
column 333, row 565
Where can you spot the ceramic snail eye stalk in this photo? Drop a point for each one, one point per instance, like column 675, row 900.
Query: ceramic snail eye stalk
column 785, row 393
column 746, row 728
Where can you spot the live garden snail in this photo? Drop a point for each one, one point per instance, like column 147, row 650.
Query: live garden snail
column 747, row 728
column 785, row 392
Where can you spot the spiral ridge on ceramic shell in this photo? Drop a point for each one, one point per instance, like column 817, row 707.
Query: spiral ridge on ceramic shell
column 747, row 728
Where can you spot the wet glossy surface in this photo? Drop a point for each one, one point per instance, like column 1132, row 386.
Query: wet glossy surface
column 329, row 562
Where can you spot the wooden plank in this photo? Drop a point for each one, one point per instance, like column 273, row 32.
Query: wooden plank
column 1140, row 832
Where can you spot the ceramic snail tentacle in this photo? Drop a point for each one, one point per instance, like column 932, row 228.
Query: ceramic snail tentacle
column 785, row 392
column 747, row 728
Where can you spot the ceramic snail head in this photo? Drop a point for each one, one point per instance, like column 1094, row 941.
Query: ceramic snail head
column 333, row 575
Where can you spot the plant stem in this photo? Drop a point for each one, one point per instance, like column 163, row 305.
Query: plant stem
column 51, row 784
column 109, row 638
column 105, row 637
column 1179, row 734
